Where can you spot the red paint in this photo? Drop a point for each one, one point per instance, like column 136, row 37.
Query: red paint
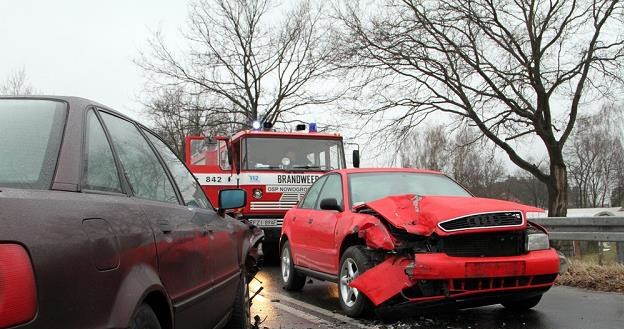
column 212, row 166
column 439, row 266
column 317, row 238
column 401, row 212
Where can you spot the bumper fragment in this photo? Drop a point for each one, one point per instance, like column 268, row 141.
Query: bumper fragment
column 435, row 276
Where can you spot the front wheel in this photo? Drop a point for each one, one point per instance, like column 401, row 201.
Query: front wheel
column 293, row 280
column 523, row 304
column 354, row 262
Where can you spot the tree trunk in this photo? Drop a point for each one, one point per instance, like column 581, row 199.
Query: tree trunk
column 558, row 189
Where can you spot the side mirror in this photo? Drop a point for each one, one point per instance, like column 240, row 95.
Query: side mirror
column 232, row 198
column 330, row 204
column 356, row 158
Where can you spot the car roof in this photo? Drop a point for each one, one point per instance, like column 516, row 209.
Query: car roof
column 75, row 103
column 388, row 169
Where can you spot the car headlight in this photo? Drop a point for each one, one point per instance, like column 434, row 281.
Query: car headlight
column 537, row 241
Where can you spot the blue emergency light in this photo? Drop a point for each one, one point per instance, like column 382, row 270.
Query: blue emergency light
column 312, row 127
column 256, row 125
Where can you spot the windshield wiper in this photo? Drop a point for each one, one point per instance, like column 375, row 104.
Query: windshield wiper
column 306, row 167
column 267, row 167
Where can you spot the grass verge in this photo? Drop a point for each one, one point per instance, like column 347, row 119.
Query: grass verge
column 589, row 275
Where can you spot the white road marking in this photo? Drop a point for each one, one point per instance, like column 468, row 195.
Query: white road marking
column 296, row 312
column 335, row 316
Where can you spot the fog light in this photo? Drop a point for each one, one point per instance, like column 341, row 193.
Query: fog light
column 537, row 241
column 257, row 193
column 563, row 263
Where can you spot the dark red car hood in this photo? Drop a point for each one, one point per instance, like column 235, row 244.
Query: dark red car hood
column 421, row 214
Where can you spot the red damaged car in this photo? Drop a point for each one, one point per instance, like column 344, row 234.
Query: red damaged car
column 399, row 239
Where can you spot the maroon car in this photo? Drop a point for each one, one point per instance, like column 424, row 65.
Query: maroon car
column 102, row 226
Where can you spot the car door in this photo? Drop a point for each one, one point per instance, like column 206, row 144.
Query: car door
column 320, row 226
column 181, row 236
column 297, row 218
column 224, row 269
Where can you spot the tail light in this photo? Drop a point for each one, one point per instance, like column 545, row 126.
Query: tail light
column 18, row 296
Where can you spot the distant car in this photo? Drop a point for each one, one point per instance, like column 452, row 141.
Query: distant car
column 403, row 239
column 102, row 226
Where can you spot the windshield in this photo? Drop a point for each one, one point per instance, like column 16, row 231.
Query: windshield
column 292, row 154
column 367, row 187
column 30, row 137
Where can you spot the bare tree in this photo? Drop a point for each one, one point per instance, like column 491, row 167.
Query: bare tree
column 176, row 114
column 595, row 157
column 17, row 84
column 474, row 163
column 261, row 67
column 463, row 156
column 427, row 149
column 515, row 69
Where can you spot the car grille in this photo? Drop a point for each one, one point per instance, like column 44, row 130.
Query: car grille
column 286, row 201
column 494, row 219
column 484, row 244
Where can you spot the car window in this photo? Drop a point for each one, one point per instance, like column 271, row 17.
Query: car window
column 332, row 189
column 191, row 191
column 310, row 198
column 146, row 175
column 30, row 139
column 100, row 171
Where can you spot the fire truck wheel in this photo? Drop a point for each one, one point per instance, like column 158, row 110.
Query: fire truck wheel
column 353, row 262
column 293, row 281
column 523, row 304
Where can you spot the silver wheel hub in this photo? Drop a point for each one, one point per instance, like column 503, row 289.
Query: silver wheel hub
column 348, row 272
column 285, row 264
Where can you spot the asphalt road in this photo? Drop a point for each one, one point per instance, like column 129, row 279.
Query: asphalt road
column 316, row 306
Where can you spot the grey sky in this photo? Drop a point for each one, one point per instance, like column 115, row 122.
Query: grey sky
column 84, row 48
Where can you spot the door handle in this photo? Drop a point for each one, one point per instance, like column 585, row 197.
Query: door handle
column 165, row 226
column 310, row 220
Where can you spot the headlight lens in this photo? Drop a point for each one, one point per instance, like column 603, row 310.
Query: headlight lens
column 537, row 241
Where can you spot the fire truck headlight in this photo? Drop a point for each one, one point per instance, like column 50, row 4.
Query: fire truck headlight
column 257, row 193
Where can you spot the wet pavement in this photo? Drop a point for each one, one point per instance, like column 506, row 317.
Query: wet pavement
column 317, row 306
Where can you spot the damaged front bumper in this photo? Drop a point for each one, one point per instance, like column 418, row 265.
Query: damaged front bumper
column 436, row 277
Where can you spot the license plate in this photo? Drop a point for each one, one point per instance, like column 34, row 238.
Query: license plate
column 264, row 222
column 495, row 269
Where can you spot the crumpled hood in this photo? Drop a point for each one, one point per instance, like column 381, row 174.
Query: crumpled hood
column 421, row 214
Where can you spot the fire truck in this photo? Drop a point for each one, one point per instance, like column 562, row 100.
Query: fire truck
column 275, row 168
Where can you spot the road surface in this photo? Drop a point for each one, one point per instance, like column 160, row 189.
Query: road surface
column 316, row 306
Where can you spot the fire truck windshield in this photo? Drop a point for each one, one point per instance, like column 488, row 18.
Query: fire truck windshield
column 305, row 154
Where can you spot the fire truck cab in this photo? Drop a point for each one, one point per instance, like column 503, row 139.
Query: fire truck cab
column 275, row 168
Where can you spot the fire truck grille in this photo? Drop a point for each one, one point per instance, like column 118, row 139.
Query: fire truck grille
column 495, row 219
column 287, row 201
column 484, row 244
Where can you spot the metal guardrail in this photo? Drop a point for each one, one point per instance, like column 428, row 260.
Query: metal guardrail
column 603, row 228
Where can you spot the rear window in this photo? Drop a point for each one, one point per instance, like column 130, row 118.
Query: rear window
column 30, row 137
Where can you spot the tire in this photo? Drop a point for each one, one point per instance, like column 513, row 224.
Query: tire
column 353, row 262
column 523, row 304
column 293, row 280
column 144, row 318
column 241, row 312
